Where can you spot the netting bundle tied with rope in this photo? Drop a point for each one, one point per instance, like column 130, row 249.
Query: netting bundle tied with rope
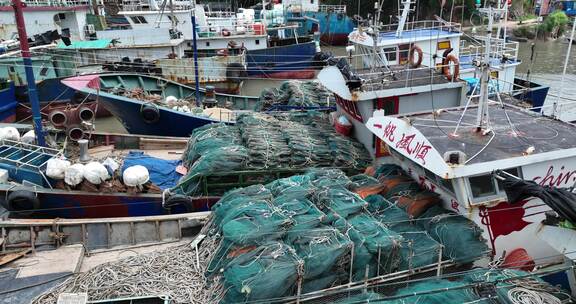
column 295, row 93
column 264, row 143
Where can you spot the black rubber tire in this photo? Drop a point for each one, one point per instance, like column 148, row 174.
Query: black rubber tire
column 22, row 202
column 179, row 200
column 150, row 113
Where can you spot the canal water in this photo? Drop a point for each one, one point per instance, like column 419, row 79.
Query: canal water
column 545, row 68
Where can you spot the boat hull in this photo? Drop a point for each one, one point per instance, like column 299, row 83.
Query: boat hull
column 535, row 95
column 295, row 61
column 334, row 27
column 8, row 104
column 170, row 122
column 82, row 204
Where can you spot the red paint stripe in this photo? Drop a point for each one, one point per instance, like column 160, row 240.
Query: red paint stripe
column 304, row 74
column 46, row 8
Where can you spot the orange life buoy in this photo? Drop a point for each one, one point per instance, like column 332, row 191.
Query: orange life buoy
column 446, row 67
column 415, row 49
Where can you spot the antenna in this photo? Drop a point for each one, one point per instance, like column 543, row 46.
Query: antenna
column 405, row 11
column 483, row 65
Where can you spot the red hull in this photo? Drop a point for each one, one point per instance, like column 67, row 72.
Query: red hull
column 304, row 74
column 334, row 39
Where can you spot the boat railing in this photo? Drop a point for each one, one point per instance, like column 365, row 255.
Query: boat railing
column 499, row 48
column 424, row 25
column 384, row 78
column 55, row 3
column 326, row 8
column 233, row 28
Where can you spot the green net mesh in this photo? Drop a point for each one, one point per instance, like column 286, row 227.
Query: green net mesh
column 295, row 93
column 462, row 247
column 323, row 232
column 267, row 271
column 261, row 142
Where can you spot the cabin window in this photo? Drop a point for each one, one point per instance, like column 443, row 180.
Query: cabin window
column 482, row 186
column 390, row 53
column 138, row 19
column 404, row 50
column 257, row 41
column 444, row 45
column 207, row 43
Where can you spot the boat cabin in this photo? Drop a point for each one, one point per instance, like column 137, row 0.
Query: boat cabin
column 68, row 17
column 443, row 150
column 429, row 42
column 394, row 90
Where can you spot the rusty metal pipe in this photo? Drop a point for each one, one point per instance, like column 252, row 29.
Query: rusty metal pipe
column 86, row 114
column 75, row 132
column 58, row 118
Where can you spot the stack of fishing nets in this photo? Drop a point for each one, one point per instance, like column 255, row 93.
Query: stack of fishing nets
column 309, row 232
column 485, row 286
column 260, row 142
column 406, row 207
column 295, row 94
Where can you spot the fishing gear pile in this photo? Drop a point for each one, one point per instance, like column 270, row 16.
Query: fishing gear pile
column 259, row 142
column 305, row 233
column 295, row 93
column 309, row 232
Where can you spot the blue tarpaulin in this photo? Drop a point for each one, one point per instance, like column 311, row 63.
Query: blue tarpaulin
column 162, row 172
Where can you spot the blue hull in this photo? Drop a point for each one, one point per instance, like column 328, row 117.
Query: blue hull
column 81, row 204
column 8, row 104
column 49, row 90
column 171, row 123
column 334, row 27
column 536, row 94
column 295, row 61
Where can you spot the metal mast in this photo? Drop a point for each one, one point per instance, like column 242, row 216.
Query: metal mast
column 31, row 82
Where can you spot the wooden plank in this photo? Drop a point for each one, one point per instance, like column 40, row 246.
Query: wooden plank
column 13, row 256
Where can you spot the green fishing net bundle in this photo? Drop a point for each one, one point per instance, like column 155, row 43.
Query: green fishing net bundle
column 296, row 93
column 270, row 270
column 321, row 231
column 465, row 246
column 260, row 142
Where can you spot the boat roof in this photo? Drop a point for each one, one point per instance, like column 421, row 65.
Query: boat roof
column 389, row 38
column 380, row 83
column 514, row 132
column 424, row 30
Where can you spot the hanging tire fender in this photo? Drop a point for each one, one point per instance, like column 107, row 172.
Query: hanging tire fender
column 175, row 200
column 150, row 113
column 22, row 201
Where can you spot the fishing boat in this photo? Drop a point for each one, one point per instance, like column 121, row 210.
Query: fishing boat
column 454, row 152
column 156, row 106
column 331, row 21
column 124, row 96
column 30, row 193
column 273, row 47
column 440, row 44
